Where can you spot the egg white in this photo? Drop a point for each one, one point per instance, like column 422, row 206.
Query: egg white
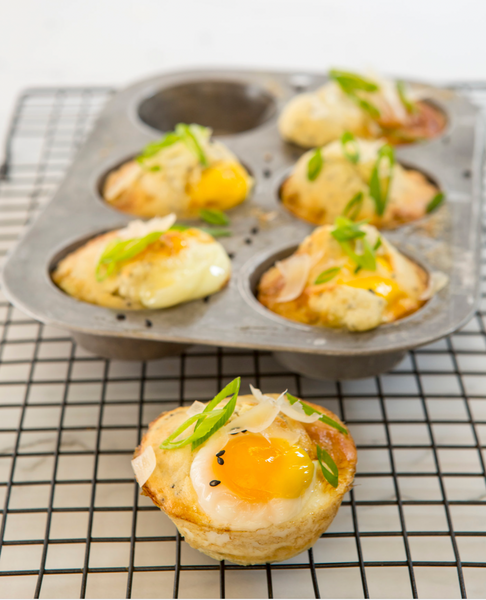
column 226, row 509
column 197, row 271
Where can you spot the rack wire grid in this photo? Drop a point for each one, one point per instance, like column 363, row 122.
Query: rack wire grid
column 73, row 522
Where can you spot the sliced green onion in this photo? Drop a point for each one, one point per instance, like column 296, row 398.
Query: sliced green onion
column 380, row 192
column 310, row 411
column 378, row 243
column 180, row 227
column 366, row 261
column 331, row 474
column 327, row 275
column 213, row 216
column 118, row 251
column 217, row 232
column 353, row 81
column 154, row 148
column 207, row 422
column 314, row 165
column 350, row 147
column 409, row 105
column 186, row 133
column 346, row 230
column 353, row 207
column 183, row 133
column 370, row 108
column 435, row 202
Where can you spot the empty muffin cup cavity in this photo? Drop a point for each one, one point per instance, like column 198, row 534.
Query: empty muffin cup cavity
column 226, row 107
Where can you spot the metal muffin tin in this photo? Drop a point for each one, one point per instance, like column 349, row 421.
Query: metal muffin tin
column 242, row 107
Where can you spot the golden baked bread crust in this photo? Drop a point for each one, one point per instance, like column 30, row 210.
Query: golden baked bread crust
column 322, row 200
column 171, row 489
column 76, row 273
column 329, row 304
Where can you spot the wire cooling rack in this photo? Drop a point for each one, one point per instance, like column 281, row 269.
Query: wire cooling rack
column 73, row 523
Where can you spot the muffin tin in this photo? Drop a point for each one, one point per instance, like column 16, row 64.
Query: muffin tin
column 242, row 108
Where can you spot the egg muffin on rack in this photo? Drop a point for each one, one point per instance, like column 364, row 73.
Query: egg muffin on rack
column 182, row 173
column 153, row 264
column 251, row 479
column 359, row 179
column 347, row 276
column 369, row 107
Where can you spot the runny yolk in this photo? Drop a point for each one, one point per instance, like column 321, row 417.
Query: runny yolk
column 257, row 469
column 221, row 186
column 382, row 286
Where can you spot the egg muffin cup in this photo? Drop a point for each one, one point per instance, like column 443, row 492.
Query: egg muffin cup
column 171, row 488
column 242, row 109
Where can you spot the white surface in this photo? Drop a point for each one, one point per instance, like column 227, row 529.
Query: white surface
column 52, row 42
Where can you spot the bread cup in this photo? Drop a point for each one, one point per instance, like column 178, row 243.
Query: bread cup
column 236, row 526
column 340, row 179
column 367, row 106
column 347, row 276
column 183, row 173
column 153, row 264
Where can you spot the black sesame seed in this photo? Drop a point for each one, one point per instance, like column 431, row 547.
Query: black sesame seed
column 221, row 452
column 267, row 173
column 234, row 432
column 173, row 486
column 244, row 430
column 214, row 483
column 467, row 173
column 121, row 317
column 254, row 230
column 220, row 460
column 148, row 323
column 248, row 241
column 372, row 291
column 231, row 255
column 206, row 299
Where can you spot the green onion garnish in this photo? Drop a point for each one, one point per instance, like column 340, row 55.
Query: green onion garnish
column 351, row 83
column 350, row 147
column 310, row 411
column 352, row 208
column 378, row 243
column 346, row 230
column 217, row 231
column 187, row 135
column 155, row 147
column 182, row 133
column 207, row 422
column 180, row 227
column 380, row 192
column 214, row 216
column 331, row 474
column 435, row 202
column 409, row 105
column 345, row 233
column 118, row 251
column 327, row 275
column 314, row 165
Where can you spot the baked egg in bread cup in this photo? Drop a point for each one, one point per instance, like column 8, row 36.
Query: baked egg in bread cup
column 367, row 106
column 182, row 173
column 251, row 479
column 347, row 276
column 152, row 264
column 359, row 179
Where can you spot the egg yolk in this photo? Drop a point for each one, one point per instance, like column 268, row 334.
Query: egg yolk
column 221, row 186
column 387, row 288
column 257, row 469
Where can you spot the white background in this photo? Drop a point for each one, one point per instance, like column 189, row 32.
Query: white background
column 52, row 42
